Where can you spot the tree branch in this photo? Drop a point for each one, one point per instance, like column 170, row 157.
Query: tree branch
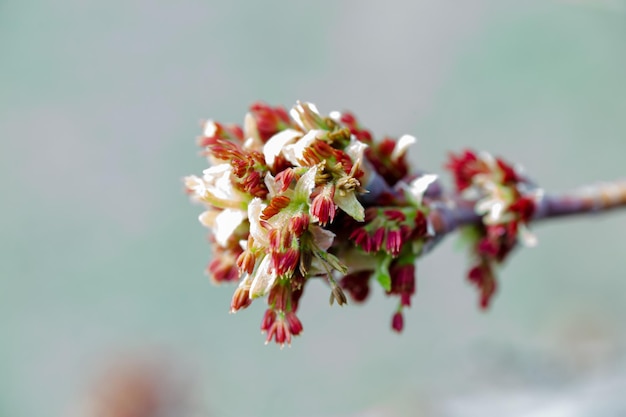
column 448, row 215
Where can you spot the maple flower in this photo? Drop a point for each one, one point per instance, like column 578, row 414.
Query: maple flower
column 505, row 201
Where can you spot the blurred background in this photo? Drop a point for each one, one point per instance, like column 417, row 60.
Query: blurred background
column 102, row 256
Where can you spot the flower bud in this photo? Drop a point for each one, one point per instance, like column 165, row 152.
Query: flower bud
column 397, row 322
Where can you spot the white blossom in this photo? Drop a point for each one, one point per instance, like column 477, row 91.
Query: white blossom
column 302, row 113
column 215, row 188
column 251, row 134
column 209, row 128
column 294, row 152
column 417, row 188
column 402, row 145
column 263, row 278
column 225, row 224
column 257, row 231
column 355, row 149
column 274, row 146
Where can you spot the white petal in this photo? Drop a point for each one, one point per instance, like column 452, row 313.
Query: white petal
column 207, row 218
column 294, row 152
column 225, row 224
column 355, row 149
column 418, row 187
column 299, row 114
column 196, row 185
column 263, row 279
column 349, row 203
column 218, row 182
column 251, row 133
column 486, row 204
column 295, row 115
column 313, row 107
column 275, row 144
column 493, row 210
column 245, row 282
column 249, row 125
column 305, row 185
column 430, row 228
column 335, row 115
column 527, row 237
column 496, row 210
column 270, row 183
column 488, row 159
column 402, row 145
column 210, row 128
column 217, row 170
column 258, row 233
column 323, row 238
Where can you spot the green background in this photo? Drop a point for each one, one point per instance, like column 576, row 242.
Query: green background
column 102, row 255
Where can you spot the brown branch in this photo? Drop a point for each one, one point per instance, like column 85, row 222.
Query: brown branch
column 593, row 199
column 448, row 215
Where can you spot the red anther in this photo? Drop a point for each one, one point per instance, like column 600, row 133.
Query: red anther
column 287, row 262
column 293, row 323
column 299, row 224
column 395, row 215
column 394, row 242
column 378, row 239
column 284, row 179
column 269, row 120
column 362, row 239
column 323, row 207
column 508, row 173
column 268, row 319
column 275, row 206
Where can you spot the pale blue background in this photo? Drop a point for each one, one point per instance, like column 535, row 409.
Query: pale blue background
column 102, row 255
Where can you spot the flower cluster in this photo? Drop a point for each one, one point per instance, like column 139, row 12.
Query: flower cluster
column 295, row 195
column 505, row 200
column 290, row 196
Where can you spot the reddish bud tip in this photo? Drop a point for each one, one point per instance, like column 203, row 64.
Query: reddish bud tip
column 397, row 322
column 241, row 299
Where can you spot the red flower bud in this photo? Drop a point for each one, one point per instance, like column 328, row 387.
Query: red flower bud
column 241, row 299
column 397, row 322
column 293, row 323
column 246, row 261
column 323, row 207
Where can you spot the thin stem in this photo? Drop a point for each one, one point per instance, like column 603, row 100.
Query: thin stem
column 447, row 216
column 593, row 199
